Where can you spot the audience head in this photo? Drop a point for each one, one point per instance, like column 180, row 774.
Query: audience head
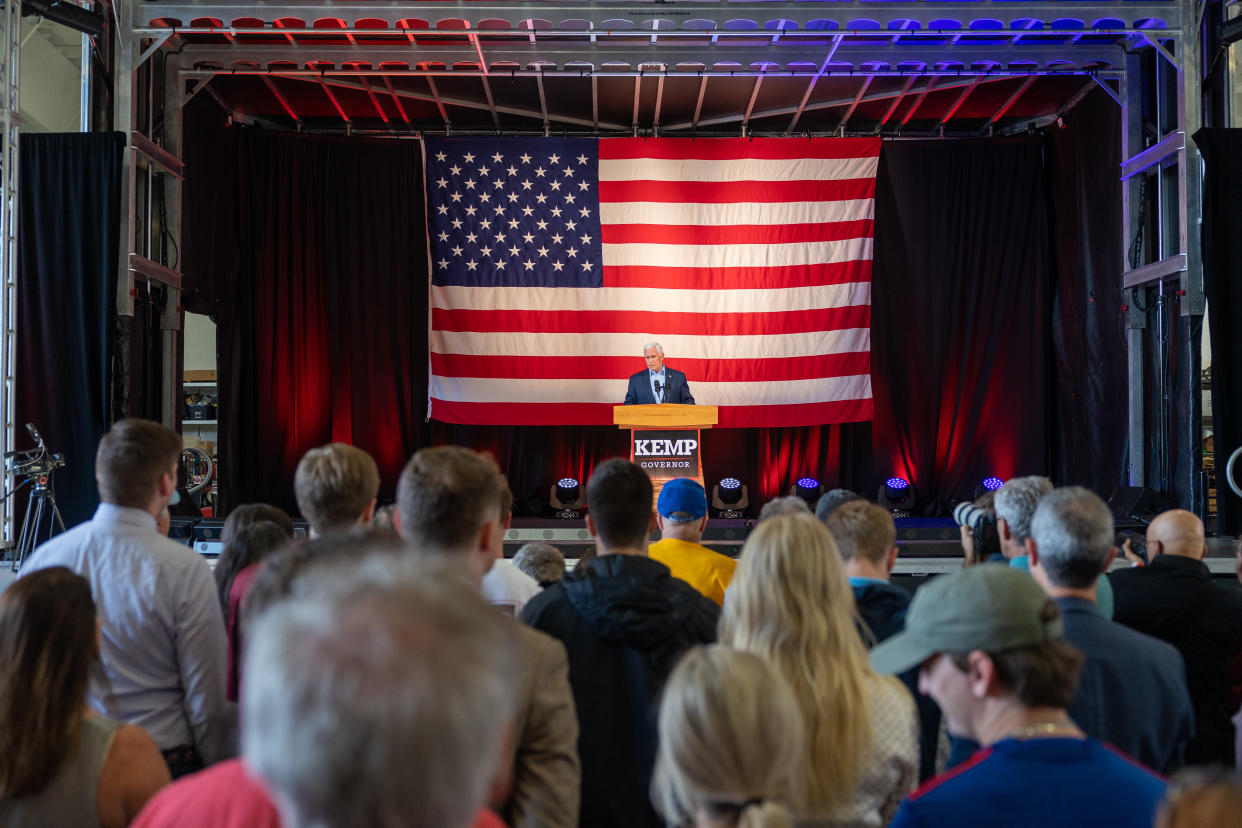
column 1202, row 798
column 449, row 502
column 251, row 544
column 336, row 486
column 777, row 506
column 285, row 568
column 251, row 513
column 731, row 739
column 865, row 536
column 1015, row 506
column 831, row 500
column 1176, row 532
column 1071, row 539
column 987, row 638
column 379, row 695
column 682, row 507
column 541, row 561
column 619, row 504
column 790, row 602
column 48, row 647
column 136, row 465
column 384, row 520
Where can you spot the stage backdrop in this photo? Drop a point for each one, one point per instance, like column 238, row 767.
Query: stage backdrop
column 66, row 301
column 749, row 261
column 310, row 253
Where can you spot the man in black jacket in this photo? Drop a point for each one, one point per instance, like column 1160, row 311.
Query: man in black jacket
column 1175, row 599
column 625, row 621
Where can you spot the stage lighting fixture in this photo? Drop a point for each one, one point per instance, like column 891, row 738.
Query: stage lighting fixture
column 807, row 488
column 895, row 495
column 567, row 498
column 729, row 498
column 988, row 484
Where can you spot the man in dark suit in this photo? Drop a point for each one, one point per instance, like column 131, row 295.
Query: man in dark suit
column 1132, row 692
column 659, row 383
column 1175, row 598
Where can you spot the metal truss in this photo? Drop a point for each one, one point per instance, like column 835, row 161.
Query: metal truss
column 365, row 17
column 949, row 52
column 10, row 128
column 558, row 58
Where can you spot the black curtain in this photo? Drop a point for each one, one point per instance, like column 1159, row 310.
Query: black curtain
column 317, row 280
column 1222, row 269
column 986, row 347
column 961, row 312
column 1088, row 323
column 66, row 298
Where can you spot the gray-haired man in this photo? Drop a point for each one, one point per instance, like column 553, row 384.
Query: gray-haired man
column 659, row 383
column 1132, row 692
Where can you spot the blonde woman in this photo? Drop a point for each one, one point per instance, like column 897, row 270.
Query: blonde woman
column 731, row 743
column 790, row 602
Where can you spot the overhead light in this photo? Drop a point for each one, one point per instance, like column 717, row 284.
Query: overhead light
column 566, row 497
column 730, row 497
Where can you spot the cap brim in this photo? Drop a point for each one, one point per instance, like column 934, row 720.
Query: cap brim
column 900, row 653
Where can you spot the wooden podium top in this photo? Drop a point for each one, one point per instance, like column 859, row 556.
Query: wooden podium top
column 667, row 415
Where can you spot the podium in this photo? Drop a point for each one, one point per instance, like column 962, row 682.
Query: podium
column 665, row 439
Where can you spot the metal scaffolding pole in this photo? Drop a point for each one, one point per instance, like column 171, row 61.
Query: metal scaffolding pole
column 10, row 125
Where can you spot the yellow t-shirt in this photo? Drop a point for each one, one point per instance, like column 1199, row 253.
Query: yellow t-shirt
column 707, row 571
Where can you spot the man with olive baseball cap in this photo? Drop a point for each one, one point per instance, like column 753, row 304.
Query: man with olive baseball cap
column 989, row 646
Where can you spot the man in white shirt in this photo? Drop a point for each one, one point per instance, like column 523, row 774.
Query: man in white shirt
column 162, row 642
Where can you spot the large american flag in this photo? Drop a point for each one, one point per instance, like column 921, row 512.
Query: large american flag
column 554, row 261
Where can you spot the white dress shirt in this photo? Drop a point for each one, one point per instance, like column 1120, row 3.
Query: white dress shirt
column 164, row 651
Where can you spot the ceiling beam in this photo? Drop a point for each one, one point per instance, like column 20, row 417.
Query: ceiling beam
column 1009, row 102
column 463, row 103
column 614, row 15
column 670, row 55
column 858, row 98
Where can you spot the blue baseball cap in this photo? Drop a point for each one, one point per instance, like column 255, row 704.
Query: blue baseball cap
column 682, row 499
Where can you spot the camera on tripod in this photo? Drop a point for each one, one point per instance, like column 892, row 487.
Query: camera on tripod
column 33, row 463
column 36, row 466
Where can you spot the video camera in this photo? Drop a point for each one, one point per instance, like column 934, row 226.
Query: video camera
column 33, row 462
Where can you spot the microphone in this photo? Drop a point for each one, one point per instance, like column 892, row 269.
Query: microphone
column 659, row 388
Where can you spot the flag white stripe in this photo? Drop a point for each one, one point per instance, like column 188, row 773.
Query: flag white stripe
column 754, row 213
column 736, row 255
column 684, row 346
column 740, row 169
column 651, row 299
column 828, row 389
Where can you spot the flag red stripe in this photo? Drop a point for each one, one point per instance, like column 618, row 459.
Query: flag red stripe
column 759, row 416
column 737, row 278
column 696, row 370
column 768, row 323
column 766, row 148
column 732, row 192
column 735, row 234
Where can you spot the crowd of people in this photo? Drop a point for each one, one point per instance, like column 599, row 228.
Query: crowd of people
column 394, row 669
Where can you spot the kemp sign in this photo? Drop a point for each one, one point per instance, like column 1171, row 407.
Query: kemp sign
column 668, row 452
